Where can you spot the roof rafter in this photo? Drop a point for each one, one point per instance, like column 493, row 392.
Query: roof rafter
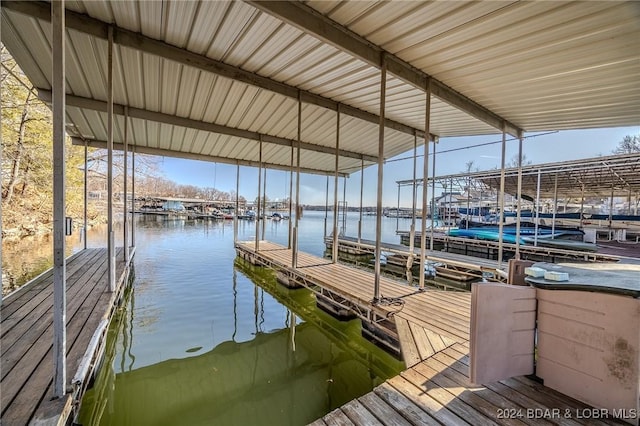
column 142, row 114
column 137, row 41
column 309, row 20
column 93, row 143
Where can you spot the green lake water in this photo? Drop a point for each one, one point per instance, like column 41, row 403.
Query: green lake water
column 206, row 339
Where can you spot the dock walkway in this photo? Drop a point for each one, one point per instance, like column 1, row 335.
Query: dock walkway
column 433, row 331
column 445, row 313
column 437, row 391
column 26, row 336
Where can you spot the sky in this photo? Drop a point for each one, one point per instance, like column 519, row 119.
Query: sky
column 538, row 148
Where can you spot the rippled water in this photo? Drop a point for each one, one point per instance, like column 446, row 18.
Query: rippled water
column 206, row 339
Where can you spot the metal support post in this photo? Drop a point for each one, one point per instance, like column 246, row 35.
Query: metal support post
column 59, row 264
column 111, row 250
column 264, row 202
column 433, row 193
column 378, row 249
column 290, row 224
column 85, row 196
column 334, row 245
column 294, row 252
column 535, row 236
column 519, row 195
column 425, row 183
column 501, row 196
column 361, row 191
column 258, row 207
column 237, row 209
column 555, row 207
column 125, row 227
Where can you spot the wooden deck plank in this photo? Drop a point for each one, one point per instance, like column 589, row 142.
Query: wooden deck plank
column 408, row 346
column 15, row 299
column 39, row 379
column 403, row 405
column 359, row 414
column 465, row 394
column 457, row 406
column 448, row 377
column 517, row 397
column 27, row 385
column 337, row 418
column 39, row 321
column 382, row 410
column 424, row 346
column 426, row 402
column 25, row 351
column 14, row 309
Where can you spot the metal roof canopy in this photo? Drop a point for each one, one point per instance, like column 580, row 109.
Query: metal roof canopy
column 599, row 176
column 207, row 80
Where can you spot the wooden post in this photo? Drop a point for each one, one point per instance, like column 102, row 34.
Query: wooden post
column 378, row 249
column 334, row 246
column 59, row 263
column 85, row 197
column 111, row 252
column 425, row 183
column 501, row 196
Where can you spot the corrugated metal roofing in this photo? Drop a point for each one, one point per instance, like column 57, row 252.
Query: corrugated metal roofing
column 538, row 65
column 599, row 176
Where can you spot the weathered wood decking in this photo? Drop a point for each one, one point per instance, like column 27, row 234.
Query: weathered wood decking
column 437, row 391
column 433, row 330
column 445, row 313
column 26, row 336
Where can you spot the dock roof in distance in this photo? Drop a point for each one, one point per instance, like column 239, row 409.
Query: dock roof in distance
column 598, row 175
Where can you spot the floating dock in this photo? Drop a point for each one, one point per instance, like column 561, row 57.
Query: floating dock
column 27, row 338
column 432, row 330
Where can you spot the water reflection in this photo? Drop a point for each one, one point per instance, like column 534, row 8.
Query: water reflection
column 290, row 375
column 204, row 338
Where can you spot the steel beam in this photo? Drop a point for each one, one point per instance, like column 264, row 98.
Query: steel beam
column 191, row 156
column 312, row 22
column 142, row 114
column 501, row 197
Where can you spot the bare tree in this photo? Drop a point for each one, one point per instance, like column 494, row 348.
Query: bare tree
column 628, row 145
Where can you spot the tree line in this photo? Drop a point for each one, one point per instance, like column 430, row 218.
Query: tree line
column 27, row 165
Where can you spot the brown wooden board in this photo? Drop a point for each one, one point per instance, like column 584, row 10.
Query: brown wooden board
column 404, row 405
column 382, row 410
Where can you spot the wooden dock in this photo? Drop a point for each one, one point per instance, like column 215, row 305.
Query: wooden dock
column 27, row 337
column 432, row 328
column 437, row 391
column 445, row 313
column 455, row 266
